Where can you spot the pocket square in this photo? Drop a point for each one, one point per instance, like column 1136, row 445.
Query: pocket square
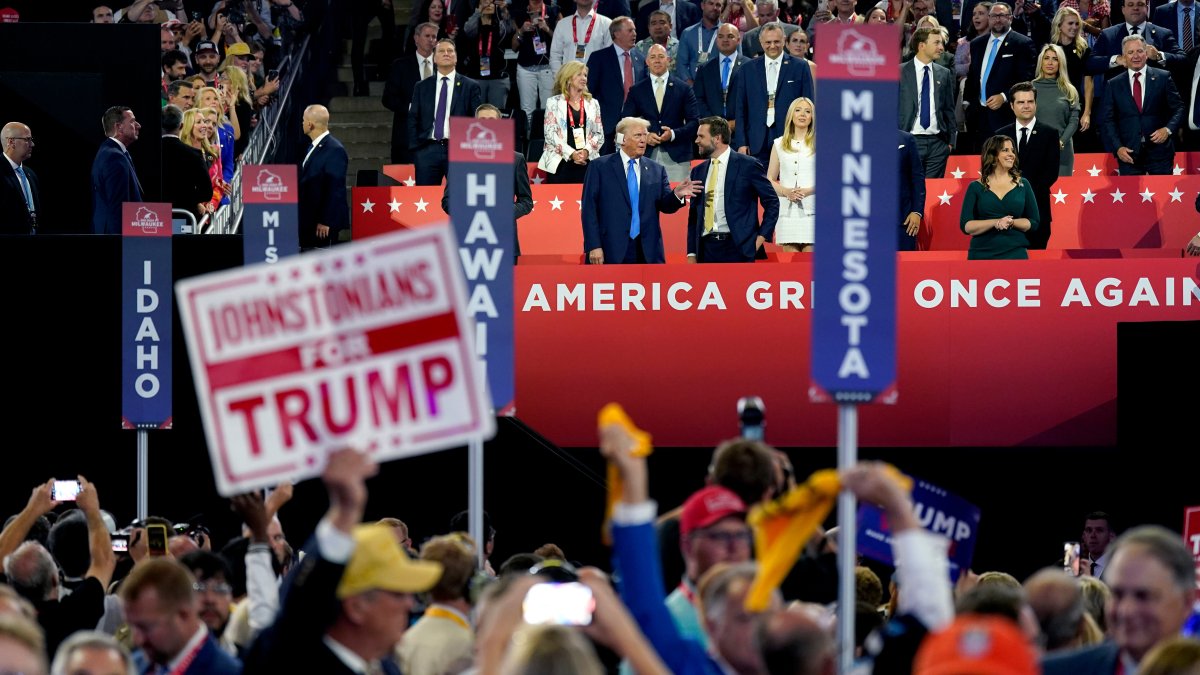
column 791, row 81
column 1005, row 56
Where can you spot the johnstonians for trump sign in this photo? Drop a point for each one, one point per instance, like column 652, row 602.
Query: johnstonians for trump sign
column 367, row 345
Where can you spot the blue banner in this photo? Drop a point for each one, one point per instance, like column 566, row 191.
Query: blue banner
column 146, row 316
column 854, row 259
column 938, row 511
column 480, row 186
column 270, row 215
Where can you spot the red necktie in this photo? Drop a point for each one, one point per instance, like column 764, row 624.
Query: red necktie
column 1137, row 91
column 629, row 75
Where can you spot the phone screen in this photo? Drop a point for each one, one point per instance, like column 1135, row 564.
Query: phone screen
column 1071, row 555
column 564, row 604
column 120, row 543
column 156, row 539
column 65, row 490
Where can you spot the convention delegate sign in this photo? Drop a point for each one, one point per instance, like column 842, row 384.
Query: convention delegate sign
column 937, row 510
column 854, row 263
column 270, row 219
column 1191, row 535
column 481, row 208
column 366, row 345
column 145, row 316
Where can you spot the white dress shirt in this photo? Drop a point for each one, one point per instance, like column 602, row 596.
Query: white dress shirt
column 437, row 93
column 1142, row 80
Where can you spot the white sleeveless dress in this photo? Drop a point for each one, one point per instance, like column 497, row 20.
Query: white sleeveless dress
column 797, row 168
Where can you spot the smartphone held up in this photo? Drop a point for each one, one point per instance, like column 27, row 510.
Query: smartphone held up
column 564, row 604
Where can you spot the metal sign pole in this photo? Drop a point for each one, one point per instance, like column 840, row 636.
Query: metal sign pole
column 475, row 499
column 847, row 525
column 143, row 474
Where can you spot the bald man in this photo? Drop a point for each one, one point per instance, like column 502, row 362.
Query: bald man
column 19, row 194
column 324, row 209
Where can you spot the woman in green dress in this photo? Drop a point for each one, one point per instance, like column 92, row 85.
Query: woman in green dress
column 999, row 207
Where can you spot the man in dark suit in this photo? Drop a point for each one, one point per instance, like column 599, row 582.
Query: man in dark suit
column 1029, row 20
column 435, row 100
column 1175, row 16
column 612, row 72
column 348, row 603
column 765, row 88
column 626, row 230
column 114, row 180
column 999, row 59
column 723, row 226
column 1153, row 579
column 162, row 612
column 613, row 8
column 185, row 181
column 668, row 103
column 1140, row 130
column 19, row 193
column 714, row 80
column 522, row 195
column 684, row 14
column 1162, row 51
column 406, row 72
column 1037, row 155
column 324, row 205
column 927, row 94
column 912, row 192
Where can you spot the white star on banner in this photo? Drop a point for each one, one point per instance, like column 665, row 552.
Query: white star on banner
column 394, row 206
column 957, row 173
column 410, row 181
column 1177, row 171
column 1176, row 195
column 1117, row 196
column 421, row 204
column 1089, row 197
column 1060, row 197
column 1093, row 172
column 579, row 204
column 556, row 204
column 537, row 180
column 368, row 206
column 1147, row 196
column 944, row 198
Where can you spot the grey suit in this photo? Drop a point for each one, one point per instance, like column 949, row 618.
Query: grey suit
column 935, row 149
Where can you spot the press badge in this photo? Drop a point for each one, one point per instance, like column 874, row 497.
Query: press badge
column 579, row 51
column 703, row 58
column 485, row 66
column 580, row 141
column 539, row 47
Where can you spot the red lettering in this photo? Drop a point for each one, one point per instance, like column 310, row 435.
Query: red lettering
column 295, row 415
column 390, row 401
column 246, row 408
column 351, row 406
column 438, row 375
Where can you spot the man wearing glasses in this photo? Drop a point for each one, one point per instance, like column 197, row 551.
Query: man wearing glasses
column 999, row 59
column 19, row 194
column 213, row 592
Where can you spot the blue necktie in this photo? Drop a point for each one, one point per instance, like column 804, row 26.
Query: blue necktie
column 987, row 69
column 25, row 188
column 925, row 97
column 725, row 74
column 631, row 178
column 439, row 121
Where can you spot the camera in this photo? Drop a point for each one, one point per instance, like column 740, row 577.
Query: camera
column 752, row 417
column 197, row 532
column 561, row 603
column 197, row 16
column 120, row 543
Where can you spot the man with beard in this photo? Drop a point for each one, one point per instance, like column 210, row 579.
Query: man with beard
column 207, row 59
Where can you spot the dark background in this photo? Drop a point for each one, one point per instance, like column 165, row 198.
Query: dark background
column 61, row 339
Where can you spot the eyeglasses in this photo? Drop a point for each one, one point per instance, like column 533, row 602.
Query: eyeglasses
column 724, row 538
column 218, row 588
column 1000, row 16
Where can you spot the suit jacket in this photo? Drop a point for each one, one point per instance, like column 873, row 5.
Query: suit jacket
column 613, row 8
column 14, row 212
column 1167, row 17
column 912, row 187
column 113, row 183
column 185, row 181
column 945, row 90
column 710, row 98
column 1038, row 164
column 397, row 95
column 679, row 112
column 1014, row 62
column 752, row 48
column 686, row 14
column 1034, row 26
column 1122, row 125
column 606, row 218
column 323, row 198
column 606, row 84
column 748, row 102
column 1108, row 44
column 421, row 113
column 554, row 127
column 522, row 197
column 211, row 660
column 746, row 186
column 1100, row 659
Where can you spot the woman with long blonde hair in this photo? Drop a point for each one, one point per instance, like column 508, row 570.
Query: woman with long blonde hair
column 793, row 173
column 199, row 132
column 1057, row 103
column 1067, row 32
column 572, row 126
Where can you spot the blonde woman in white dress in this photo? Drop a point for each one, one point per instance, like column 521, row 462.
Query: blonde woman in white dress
column 793, row 174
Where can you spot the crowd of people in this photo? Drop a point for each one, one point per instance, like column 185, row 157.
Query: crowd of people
column 698, row 589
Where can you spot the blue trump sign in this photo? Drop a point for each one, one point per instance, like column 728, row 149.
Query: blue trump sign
column 854, row 264
column 938, row 511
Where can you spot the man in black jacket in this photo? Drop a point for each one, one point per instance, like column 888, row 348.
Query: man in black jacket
column 1037, row 147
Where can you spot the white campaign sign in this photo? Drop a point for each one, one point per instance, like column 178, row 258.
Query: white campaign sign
column 366, row 345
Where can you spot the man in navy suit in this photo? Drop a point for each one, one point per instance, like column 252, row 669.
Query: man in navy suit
column 161, row 610
column 669, row 104
column 324, row 207
column 912, row 192
column 434, row 101
column 929, row 115
column 1162, row 51
column 114, row 180
column 19, row 193
column 405, row 73
column 1174, row 16
column 715, row 79
column 723, row 226
column 683, row 13
column 1140, row 130
column 999, row 59
column 613, row 230
column 1038, row 150
column 612, row 72
column 1153, row 580
column 765, row 88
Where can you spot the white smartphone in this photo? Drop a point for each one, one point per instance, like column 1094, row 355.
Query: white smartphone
column 64, row 490
column 565, row 604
